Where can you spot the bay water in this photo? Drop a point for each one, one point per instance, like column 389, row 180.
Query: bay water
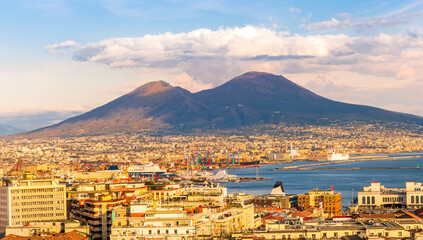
column 348, row 182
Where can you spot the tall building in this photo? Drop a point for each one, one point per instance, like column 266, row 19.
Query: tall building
column 377, row 195
column 329, row 200
column 24, row 201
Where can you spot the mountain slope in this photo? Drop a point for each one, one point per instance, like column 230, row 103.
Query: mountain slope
column 251, row 98
column 270, row 98
column 6, row 129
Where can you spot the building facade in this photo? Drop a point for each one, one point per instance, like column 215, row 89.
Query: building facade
column 24, row 201
column 377, row 196
column 329, row 200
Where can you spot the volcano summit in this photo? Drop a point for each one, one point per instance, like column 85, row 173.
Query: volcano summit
column 249, row 99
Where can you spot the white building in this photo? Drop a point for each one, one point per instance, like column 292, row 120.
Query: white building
column 377, row 195
column 24, row 201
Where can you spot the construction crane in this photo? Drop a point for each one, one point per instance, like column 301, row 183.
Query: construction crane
column 233, row 159
column 18, row 165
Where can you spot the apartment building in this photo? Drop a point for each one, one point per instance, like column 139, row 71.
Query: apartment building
column 142, row 221
column 377, row 196
column 234, row 219
column 24, row 201
column 329, row 200
column 96, row 214
column 329, row 230
column 165, row 192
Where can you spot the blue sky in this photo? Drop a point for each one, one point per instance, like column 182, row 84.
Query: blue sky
column 69, row 56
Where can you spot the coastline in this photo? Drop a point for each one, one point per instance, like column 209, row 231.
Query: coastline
column 309, row 166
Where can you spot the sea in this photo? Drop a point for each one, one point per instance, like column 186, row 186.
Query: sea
column 348, row 182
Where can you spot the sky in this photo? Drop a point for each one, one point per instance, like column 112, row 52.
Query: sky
column 59, row 58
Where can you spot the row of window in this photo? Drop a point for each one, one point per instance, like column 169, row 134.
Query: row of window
column 158, row 232
column 39, row 215
column 19, row 204
column 32, row 209
column 393, row 199
column 363, row 200
column 38, row 197
column 418, row 199
column 42, row 190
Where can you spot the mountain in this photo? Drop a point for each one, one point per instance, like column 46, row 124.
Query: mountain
column 6, row 129
column 252, row 98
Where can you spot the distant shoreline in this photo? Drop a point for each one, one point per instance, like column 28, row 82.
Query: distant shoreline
column 310, row 167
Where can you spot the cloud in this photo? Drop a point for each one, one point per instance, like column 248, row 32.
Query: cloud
column 202, row 58
column 50, row 7
column 186, row 81
column 294, row 10
column 346, row 21
column 62, row 48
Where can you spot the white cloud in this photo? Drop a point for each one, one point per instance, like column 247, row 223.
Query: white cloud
column 346, row 21
column 186, row 81
column 50, row 7
column 62, row 48
column 209, row 56
column 294, row 10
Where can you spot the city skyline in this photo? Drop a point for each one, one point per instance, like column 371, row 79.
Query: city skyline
column 65, row 57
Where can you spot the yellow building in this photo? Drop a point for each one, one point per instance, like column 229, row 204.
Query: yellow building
column 24, row 201
column 234, row 219
column 165, row 192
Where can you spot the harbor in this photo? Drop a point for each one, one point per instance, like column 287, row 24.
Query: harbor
column 347, row 181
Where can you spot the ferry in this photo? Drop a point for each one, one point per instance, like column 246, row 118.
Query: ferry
column 338, row 156
column 145, row 170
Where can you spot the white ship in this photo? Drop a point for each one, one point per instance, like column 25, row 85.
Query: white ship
column 145, row 170
column 338, row 156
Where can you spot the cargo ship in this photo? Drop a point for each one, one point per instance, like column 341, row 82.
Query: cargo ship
column 250, row 164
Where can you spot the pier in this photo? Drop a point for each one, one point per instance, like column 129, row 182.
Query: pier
column 313, row 166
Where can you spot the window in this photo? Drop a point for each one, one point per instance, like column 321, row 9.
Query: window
column 363, row 200
column 412, row 199
column 373, row 200
column 368, row 200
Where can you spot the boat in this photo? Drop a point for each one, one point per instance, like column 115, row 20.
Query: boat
column 190, row 175
column 338, row 156
column 145, row 170
column 250, row 164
